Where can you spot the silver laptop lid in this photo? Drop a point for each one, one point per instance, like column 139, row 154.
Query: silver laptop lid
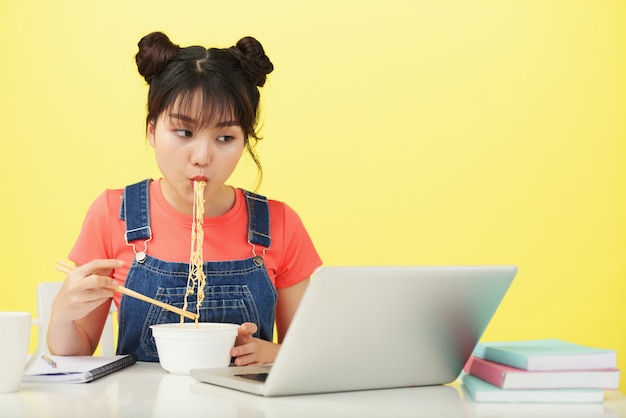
column 373, row 327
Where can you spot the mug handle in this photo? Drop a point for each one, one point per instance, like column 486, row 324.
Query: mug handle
column 38, row 351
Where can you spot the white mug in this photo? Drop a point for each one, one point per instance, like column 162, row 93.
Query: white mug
column 15, row 336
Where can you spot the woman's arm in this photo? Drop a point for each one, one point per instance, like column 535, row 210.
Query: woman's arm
column 288, row 300
column 77, row 337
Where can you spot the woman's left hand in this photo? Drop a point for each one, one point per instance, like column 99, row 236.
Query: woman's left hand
column 249, row 350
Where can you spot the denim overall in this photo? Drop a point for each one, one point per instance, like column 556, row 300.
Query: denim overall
column 236, row 291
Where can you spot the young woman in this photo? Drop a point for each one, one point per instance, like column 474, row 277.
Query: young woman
column 202, row 114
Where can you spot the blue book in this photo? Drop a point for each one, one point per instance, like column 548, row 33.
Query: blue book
column 482, row 391
column 549, row 354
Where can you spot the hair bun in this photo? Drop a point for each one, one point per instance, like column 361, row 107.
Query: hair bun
column 253, row 60
column 155, row 50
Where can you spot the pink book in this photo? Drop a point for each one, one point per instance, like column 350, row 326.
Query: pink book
column 508, row 377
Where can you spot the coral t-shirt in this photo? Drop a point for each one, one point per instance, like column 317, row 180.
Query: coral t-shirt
column 290, row 259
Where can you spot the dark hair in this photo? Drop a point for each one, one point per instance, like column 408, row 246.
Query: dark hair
column 224, row 80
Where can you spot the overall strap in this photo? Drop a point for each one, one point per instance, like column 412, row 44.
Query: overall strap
column 135, row 210
column 258, row 219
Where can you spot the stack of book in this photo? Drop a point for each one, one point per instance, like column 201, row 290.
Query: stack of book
column 540, row 371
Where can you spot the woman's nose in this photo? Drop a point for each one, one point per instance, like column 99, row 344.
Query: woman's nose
column 201, row 152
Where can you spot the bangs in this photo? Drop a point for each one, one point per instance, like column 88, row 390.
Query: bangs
column 206, row 108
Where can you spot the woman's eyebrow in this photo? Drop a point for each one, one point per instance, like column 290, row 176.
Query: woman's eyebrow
column 182, row 117
column 188, row 119
column 227, row 123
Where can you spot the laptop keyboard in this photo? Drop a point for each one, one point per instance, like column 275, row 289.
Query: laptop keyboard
column 259, row 377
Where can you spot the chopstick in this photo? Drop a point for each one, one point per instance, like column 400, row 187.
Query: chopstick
column 65, row 267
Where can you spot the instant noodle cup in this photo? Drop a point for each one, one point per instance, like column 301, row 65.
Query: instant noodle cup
column 186, row 346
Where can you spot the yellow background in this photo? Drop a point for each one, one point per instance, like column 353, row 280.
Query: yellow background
column 403, row 132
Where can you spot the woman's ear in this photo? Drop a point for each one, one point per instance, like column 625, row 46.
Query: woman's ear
column 150, row 128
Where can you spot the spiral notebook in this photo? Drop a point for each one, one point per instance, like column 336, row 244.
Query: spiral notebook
column 76, row 369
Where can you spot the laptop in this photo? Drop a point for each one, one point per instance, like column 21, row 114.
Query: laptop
column 377, row 327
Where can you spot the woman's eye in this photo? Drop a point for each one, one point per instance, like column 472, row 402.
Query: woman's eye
column 183, row 132
column 225, row 138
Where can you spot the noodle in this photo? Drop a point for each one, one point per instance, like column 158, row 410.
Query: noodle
column 196, row 276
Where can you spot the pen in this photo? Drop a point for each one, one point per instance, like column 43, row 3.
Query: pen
column 48, row 360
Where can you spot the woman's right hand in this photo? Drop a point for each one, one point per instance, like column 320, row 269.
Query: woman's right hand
column 84, row 289
column 80, row 309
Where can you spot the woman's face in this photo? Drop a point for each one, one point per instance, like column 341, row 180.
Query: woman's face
column 187, row 150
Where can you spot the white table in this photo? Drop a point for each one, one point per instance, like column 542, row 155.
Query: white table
column 146, row 390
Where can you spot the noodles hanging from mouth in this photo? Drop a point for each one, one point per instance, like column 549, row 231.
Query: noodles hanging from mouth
column 196, row 277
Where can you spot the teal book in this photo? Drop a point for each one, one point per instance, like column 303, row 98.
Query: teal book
column 482, row 391
column 549, row 354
